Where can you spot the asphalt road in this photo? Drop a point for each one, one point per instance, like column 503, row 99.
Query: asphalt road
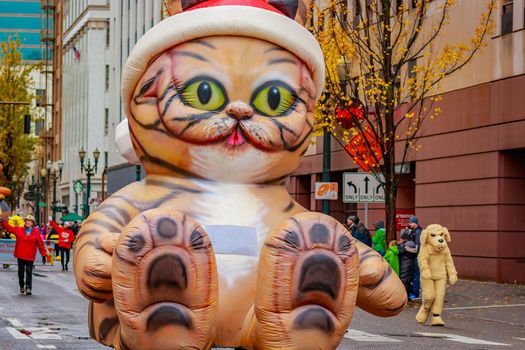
column 478, row 316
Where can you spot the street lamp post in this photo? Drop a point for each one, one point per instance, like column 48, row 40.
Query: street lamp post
column 90, row 171
column 43, row 187
column 52, row 170
column 137, row 172
column 36, row 199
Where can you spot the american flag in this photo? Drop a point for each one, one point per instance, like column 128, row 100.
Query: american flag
column 76, row 53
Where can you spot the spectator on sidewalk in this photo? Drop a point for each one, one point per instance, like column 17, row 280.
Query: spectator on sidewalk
column 379, row 238
column 75, row 228
column 27, row 241
column 358, row 230
column 65, row 240
column 415, row 234
column 407, row 260
column 391, row 256
column 42, row 231
column 351, row 223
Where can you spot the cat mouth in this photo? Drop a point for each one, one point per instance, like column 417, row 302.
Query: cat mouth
column 236, row 138
column 241, row 135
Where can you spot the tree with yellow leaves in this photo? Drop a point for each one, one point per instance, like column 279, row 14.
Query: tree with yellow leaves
column 385, row 65
column 16, row 148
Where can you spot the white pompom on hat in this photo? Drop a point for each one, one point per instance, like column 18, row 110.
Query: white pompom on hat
column 248, row 18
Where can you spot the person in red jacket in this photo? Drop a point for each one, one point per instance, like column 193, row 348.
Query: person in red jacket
column 65, row 240
column 27, row 241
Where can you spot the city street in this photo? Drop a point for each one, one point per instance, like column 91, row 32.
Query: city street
column 478, row 315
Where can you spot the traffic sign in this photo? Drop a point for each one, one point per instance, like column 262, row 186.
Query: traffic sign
column 78, row 187
column 362, row 188
column 326, row 190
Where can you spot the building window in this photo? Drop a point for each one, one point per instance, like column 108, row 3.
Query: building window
column 106, row 121
column 411, row 66
column 107, row 33
column 40, row 97
column 357, row 13
column 506, row 17
column 107, row 77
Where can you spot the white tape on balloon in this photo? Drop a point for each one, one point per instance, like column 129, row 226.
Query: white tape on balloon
column 236, row 240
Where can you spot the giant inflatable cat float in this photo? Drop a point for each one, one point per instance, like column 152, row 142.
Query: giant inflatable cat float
column 219, row 99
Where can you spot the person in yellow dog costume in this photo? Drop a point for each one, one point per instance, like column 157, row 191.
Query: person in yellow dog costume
column 435, row 263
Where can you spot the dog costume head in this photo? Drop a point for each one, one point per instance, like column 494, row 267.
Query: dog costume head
column 435, row 236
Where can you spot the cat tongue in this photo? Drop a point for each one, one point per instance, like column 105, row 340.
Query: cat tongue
column 235, row 138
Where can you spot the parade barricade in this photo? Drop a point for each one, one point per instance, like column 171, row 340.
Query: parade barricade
column 7, row 248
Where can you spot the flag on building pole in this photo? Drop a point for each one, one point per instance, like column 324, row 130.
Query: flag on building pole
column 76, row 53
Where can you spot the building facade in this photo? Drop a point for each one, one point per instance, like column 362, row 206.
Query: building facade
column 23, row 19
column 470, row 172
column 129, row 21
column 31, row 22
column 85, row 96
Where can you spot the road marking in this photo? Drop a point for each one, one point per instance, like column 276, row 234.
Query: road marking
column 42, row 333
column 33, row 333
column 40, row 346
column 15, row 322
column 368, row 337
column 519, row 338
column 482, row 307
column 460, row 339
column 16, row 334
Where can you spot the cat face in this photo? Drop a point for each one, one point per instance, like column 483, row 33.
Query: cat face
column 223, row 108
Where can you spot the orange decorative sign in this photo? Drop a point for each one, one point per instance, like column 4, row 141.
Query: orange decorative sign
column 365, row 149
column 326, row 190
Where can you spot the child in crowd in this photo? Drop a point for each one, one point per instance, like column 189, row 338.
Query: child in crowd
column 407, row 253
column 391, row 256
column 379, row 239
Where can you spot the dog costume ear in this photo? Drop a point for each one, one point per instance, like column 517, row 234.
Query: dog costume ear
column 447, row 235
column 423, row 237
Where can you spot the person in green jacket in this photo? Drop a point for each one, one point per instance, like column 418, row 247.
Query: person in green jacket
column 392, row 258
column 379, row 239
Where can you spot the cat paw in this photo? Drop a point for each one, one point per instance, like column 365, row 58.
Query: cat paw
column 92, row 263
column 307, row 284
column 164, row 283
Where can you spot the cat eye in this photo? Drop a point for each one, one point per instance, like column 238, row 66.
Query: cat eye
column 273, row 99
column 204, row 93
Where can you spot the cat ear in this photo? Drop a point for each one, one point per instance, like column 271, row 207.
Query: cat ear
column 124, row 144
column 295, row 9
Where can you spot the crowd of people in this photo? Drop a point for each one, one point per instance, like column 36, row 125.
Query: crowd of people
column 30, row 238
column 401, row 254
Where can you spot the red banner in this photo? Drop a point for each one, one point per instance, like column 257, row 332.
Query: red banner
column 345, row 117
column 402, row 217
column 365, row 149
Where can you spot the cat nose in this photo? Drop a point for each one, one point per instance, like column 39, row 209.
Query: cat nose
column 239, row 110
column 440, row 240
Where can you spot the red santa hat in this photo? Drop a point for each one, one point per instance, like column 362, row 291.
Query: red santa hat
column 272, row 21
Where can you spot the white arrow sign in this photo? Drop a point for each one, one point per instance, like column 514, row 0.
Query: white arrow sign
column 362, row 188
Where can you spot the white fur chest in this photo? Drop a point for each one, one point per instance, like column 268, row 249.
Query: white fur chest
column 231, row 204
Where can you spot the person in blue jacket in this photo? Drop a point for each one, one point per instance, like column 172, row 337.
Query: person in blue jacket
column 415, row 234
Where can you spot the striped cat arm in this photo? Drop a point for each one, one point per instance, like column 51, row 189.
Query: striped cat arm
column 381, row 292
column 94, row 247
